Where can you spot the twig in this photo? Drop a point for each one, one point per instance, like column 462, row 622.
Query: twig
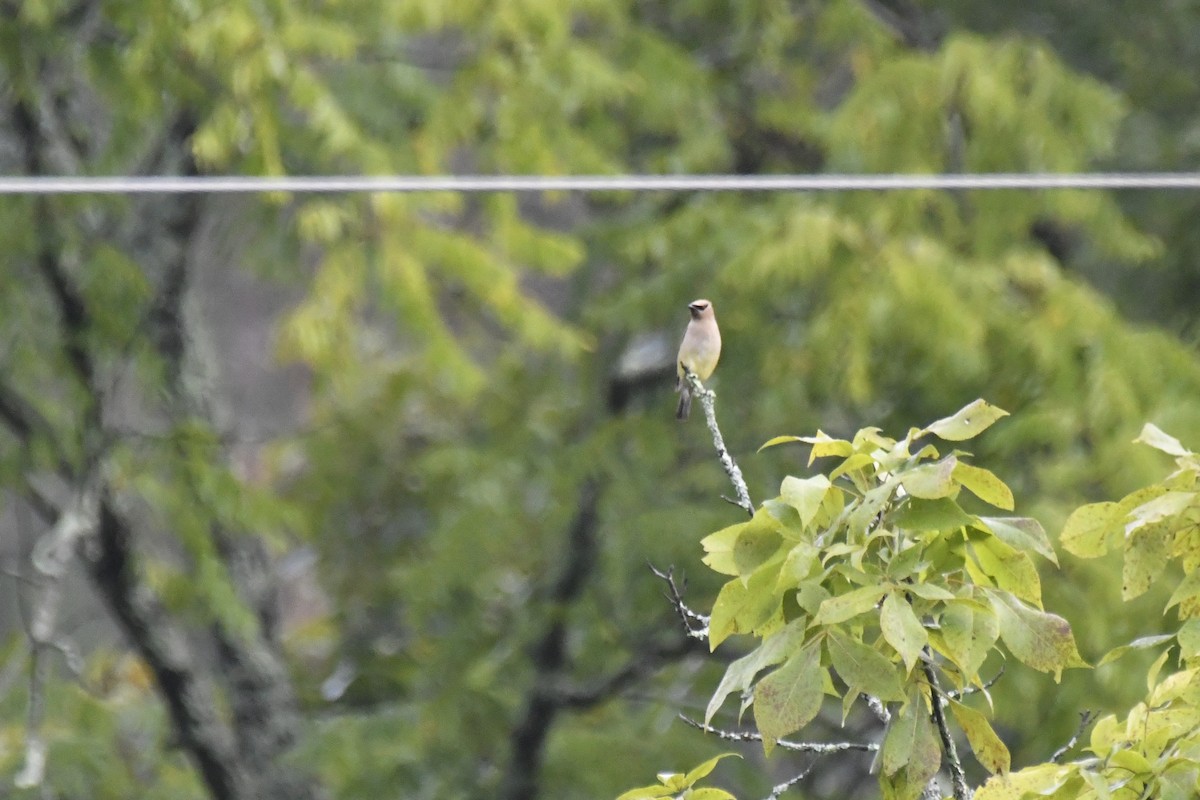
column 1085, row 719
column 647, row 659
column 694, row 624
column 818, row 748
column 708, row 399
column 932, row 790
column 878, row 708
column 937, row 700
column 958, row 694
column 780, row 788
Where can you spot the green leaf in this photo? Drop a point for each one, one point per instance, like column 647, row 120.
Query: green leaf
column 903, row 564
column 930, row 481
column 856, row 461
column 707, row 793
column 810, row 594
column 754, row 548
column 1152, row 675
column 1189, row 639
column 779, row 440
column 842, row 607
column 1088, row 529
column 985, row 485
column 704, row 769
column 1106, row 734
column 788, row 699
column 647, row 793
column 1038, row 639
column 870, row 438
column 989, row 750
column 1042, row 780
column 740, row 674
column 1099, row 784
column 1023, row 533
column 931, row 515
column 1147, row 551
column 740, row 548
column 863, row 668
column 869, row 506
column 969, row 630
column 823, row 445
column 741, row 607
column 797, row 565
column 901, row 628
column 1010, row 569
column 806, row 495
column 910, row 754
column 1153, row 436
column 929, row 591
column 1143, row 643
column 968, row 423
column 719, row 548
column 1163, row 507
column 1178, row 781
column 1131, row 761
column 1188, row 588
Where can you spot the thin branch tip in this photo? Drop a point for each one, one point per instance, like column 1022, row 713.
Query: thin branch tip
column 708, row 402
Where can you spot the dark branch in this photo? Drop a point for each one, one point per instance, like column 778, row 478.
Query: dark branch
column 27, row 424
column 550, row 653
column 644, row 662
column 189, row 698
column 72, row 310
column 938, row 702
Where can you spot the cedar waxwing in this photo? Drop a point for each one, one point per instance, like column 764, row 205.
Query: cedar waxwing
column 699, row 351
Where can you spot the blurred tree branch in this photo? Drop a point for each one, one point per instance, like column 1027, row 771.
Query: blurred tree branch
column 241, row 761
column 549, row 653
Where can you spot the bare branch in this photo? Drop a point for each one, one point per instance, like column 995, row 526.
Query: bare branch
column 780, row 788
column 708, row 399
column 818, row 748
column 878, row 708
column 957, row 694
column 694, row 625
column 1085, row 719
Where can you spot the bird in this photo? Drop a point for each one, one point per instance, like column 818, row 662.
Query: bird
column 698, row 352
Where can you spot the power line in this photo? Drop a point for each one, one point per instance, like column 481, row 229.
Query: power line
column 340, row 184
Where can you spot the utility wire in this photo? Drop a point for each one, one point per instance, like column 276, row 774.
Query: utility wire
column 339, row 184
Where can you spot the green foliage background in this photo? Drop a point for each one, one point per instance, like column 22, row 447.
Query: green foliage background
column 465, row 351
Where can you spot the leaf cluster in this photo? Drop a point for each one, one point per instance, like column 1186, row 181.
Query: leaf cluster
column 872, row 579
column 1154, row 750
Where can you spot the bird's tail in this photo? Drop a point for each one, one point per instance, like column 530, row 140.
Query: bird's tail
column 685, row 403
